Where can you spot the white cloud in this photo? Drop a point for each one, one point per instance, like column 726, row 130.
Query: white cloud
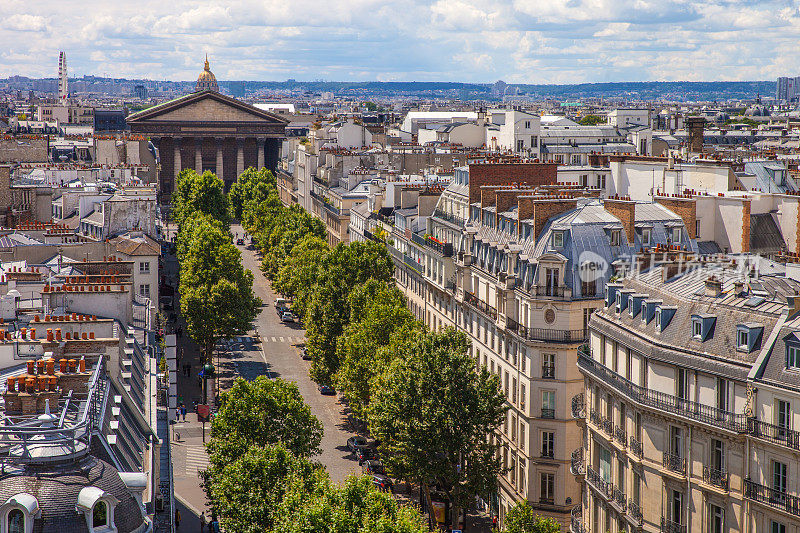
column 524, row 41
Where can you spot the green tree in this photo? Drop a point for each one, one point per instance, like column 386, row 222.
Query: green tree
column 344, row 268
column 263, row 411
column 432, row 410
column 250, row 189
column 377, row 310
column 216, row 291
column 591, row 120
column 292, row 226
column 204, row 193
column 247, row 491
column 355, row 506
column 522, row 518
column 298, row 275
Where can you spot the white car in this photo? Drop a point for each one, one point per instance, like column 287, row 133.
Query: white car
column 287, row 316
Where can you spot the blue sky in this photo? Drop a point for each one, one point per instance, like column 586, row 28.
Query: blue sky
column 519, row 41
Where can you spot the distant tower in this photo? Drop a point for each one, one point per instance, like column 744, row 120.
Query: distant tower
column 63, row 90
column 206, row 81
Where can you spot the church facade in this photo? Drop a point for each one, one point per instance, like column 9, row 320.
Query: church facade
column 207, row 130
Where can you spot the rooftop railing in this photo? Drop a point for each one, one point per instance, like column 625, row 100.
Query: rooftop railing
column 552, row 335
column 662, row 401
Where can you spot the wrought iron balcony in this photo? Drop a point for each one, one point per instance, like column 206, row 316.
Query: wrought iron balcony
column 776, row 434
column 675, row 463
column 636, row 447
column 596, row 480
column 668, row 526
column 552, row 335
column 548, row 413
column 601, row 421
column 777, row 499
column 635, row 512
column 578, row 407
column 576, row 520
column 480, row 305
column 619, row 499
column 443, row 248
column 718, row 478
column 453, row 219
column 620, row 436
column 548, row 291
column 662, row 401
column 576, row 466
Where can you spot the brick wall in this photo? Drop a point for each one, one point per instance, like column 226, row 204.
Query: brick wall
column 625, row 211
column 481, row 174
column 686, row 208
column 542, row 209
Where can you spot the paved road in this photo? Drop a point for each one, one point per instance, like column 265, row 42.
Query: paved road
column 280, row 343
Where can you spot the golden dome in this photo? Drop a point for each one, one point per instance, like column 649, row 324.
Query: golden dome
column 206, row 80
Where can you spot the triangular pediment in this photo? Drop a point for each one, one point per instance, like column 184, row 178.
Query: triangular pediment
column 206, row 106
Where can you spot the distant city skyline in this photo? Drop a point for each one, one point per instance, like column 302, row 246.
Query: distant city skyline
column 518, row 41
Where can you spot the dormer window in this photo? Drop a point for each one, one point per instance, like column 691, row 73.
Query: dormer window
column 644, row 312
column 703, row 326
column 558, row 239
column 676, row 235
column 741, row 340
column 658, row 319
column 100, row 515
column 614, row 236
column 97, row 507
column 793, row 356
column 646, row 236
column 15, row 522
column 18, row 513
column 619, row 302
column 697, row 328
column 748, row 337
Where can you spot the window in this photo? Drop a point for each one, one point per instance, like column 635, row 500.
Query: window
column 548, row 444
column 522, row 435
column 558, row 239
column 605, row 464
column 646, row 236
column 144, row 267
column 527, row 124
column 792, row 356
column 100, row 514
column 676, row 441
column 717, row 455
column 741, row 339
column 677, row 507
column 658, row 319
column 548, row 488
column 722, row 394
column 548, row 404
column 16, row 521
column 635, row 488
column 676, row 235
column 777, row 527
column 614, row 236
column 780, row 479
column 522, row 475
column 681, row 385
column 520, row 145
column 548, row 366
column 717, row 516
column 522, row 396
column 144, row 290
column 783, row 413
column 697, row 328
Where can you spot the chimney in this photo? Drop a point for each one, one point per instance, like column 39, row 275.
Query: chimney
column 625, row 211
column 684, row 207
column 541, row 209
column 713, row 286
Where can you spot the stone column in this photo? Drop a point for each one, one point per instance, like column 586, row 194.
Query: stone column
column 239, row 157
column 178, row 166
column 260, row 143
column 220, row 169
column 198, row 154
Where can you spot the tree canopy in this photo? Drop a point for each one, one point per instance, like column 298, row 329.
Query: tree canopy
column 199, row 193
column 522, row 518
column 248, row 191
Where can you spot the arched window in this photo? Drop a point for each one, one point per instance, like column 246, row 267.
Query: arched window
column 16, row 521
column 100, row 514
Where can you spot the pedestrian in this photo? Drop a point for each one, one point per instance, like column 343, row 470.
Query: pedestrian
column 177, row 518
column 214, row 524
column 202, row 522
column 177, row 414
column 183, row 412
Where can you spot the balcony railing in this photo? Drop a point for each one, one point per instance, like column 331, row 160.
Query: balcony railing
column 578, row 406
column 576, row 520
column 576, row 466
column 443, row 248
column 549, row 371
column 776, row 434
column 618, row 497
column 620, row 436
column 453, row 219
column 774, row 498
column 548, row 413
column 601, row 421
column 664, row 402
column 480, row 305
column 553, row 335
column 718, row 478
column 635, row 512
column 551, row 291
column 636, row 447
column 668, row 526
column 597, row 481
column 675, row 463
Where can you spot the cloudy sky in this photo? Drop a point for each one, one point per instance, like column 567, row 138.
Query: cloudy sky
column 522, row 41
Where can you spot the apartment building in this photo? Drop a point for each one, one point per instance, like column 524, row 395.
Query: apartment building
column 678, row 435
column 520, row 269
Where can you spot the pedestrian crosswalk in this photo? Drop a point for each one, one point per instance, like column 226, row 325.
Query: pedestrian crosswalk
column 196, row 459
column 290, row 340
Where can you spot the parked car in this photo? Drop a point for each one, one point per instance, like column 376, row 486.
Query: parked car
column 354, row 442
column 382, row 482
column 304, row 355
column 364, row 453
column 240, row 241
column 373, row 466
column 287, row 316
column 327, row 390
